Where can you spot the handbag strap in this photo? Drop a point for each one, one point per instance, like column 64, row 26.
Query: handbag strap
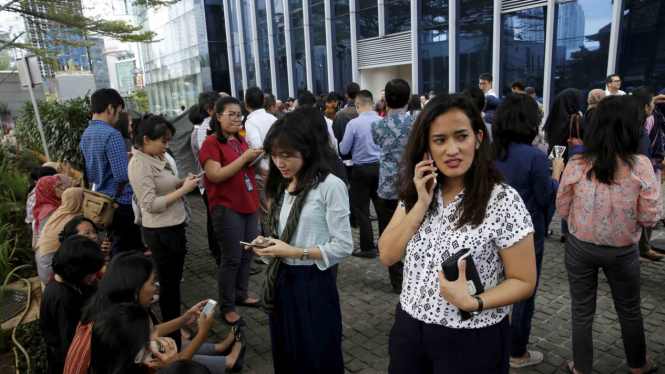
column 86, row 182
column 570, row 134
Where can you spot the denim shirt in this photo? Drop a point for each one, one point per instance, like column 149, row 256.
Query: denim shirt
column 391, row 134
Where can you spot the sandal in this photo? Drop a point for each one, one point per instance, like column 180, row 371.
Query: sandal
column 568, row 367
column 239, row 322
column 549, row 232
column 234, row 330
column 240, row 361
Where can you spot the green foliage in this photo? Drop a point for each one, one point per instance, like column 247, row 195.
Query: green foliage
column 63, row 123
column 30, row 337
column 28, row 161
column 141, row 99
column 4, row 62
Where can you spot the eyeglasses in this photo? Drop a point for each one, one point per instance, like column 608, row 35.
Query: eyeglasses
column 619, row 81
column 234, row 116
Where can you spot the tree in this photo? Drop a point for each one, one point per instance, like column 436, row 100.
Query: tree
column 141, row 99
column 4, row 61
column 68, row 20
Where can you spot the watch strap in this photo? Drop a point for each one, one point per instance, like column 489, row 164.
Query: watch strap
column 305, row 254
column 480, row 304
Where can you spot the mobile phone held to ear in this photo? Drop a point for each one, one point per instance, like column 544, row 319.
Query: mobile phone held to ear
column 450, row 269
column 431, row 184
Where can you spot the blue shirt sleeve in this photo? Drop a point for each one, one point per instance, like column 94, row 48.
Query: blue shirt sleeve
column 116, row 152
column 347, row 143
column 543, row 184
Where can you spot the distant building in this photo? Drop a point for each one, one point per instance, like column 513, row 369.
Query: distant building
column 100, row 67
column 570, row 27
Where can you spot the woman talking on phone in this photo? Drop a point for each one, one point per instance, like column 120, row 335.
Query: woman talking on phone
column 309, row 224
column 453, row 199
column 234, row 204
column 159, row 192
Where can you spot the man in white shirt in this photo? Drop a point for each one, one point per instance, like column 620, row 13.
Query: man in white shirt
column 485, row 84
column 257, row 126
column 613, row 84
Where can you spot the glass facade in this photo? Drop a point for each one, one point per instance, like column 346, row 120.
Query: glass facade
column 433, row 46
column 192, row 53
column 522, row 50
column 368, row 18
column 342, row 63
column 642, row 49
column 280, row 50
column 582, row 44
column 172, row 65
column 475, row 40
column 264, row 45
column 317, row 21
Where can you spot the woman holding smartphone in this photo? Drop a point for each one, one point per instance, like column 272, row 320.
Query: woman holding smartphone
column 453, row 198
column 309, row 224
column 160, row 193
column 233, row 202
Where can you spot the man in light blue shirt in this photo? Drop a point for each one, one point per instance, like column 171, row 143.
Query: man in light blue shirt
column 365, row 177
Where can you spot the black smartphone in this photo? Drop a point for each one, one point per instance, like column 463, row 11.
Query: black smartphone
column 450, row 269
column 431, row 184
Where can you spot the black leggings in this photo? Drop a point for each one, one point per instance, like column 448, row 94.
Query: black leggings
column 416, row 347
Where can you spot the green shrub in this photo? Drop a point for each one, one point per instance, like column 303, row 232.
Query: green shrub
column 30, row 337
column 63, row 123
column 28, row 160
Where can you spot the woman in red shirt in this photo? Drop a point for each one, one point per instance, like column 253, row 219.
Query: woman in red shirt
column 233, row 203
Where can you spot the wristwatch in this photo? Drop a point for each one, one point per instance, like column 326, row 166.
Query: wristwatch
column 305, row 254
column 480, row 306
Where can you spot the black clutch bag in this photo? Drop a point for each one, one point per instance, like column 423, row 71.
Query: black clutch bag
column 450, row 269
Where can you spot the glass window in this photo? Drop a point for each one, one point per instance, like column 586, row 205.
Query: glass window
column 318, row 13
column 522, row 50
column 340, row 7
column 282, row 79
column 398, row 16
column 434, row 12
column 582, row 44
column 343, row 66
column 320, row 73
column 475, row 40
column 434, row 59
column 261, row 14
column 319, row 35
column 299, row 73
column 295, row 5
column 364, row 4
column 342, row 30
column 368, row 21
column 642, row 50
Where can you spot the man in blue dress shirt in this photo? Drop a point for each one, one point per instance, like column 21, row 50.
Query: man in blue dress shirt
column 365, row 177
column 106, row 161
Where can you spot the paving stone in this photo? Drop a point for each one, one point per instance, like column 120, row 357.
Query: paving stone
column 368, row 309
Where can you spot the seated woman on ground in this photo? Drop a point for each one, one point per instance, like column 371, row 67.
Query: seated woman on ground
column 130, row 278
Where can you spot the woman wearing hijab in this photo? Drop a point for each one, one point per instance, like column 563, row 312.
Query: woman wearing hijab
column 557, row 128
column 49, row 242
column 595, row 96
column 48, row 194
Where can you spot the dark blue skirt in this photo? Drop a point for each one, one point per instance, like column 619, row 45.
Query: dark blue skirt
column 306, row 326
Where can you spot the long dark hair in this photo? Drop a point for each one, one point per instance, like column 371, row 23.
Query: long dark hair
column 479, row 180
column 294, row 133
column 152, row 126
column 118, row 335
column 320, row 127
column 516, row 120
column 122, row 282
column 566, row 104
column 415, row 104
column 71, row 228
column 614, row 133
column 215, row 125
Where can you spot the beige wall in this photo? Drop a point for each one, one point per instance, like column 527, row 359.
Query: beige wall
column 375, row 79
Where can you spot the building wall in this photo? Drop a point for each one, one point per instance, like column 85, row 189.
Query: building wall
column 288, row 46
column 374, row 80
column 14, row 95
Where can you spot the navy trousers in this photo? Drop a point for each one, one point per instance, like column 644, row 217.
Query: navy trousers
column 306, row 325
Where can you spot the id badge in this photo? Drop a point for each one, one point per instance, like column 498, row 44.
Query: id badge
column 248, row 183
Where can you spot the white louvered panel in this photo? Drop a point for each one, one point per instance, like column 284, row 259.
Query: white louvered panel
column 508, row 6
column 394, row 49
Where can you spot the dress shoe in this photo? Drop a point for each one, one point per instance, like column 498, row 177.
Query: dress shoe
column 255, row 270
column 364, row 254
column 653, row 255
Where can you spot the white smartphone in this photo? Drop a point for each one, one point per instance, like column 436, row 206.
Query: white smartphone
column 200, row 174
column 145, row 355
column 209, row 307
column 256, row 161
column 254, row 245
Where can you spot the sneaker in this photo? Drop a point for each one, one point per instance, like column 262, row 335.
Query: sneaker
column 534, row 358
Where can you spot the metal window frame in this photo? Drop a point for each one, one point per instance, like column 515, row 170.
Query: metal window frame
column 229, row 44
column 287, row 39
column 615, row 31
column 241, row 44
column 496, row 44
column 255, row 42
column 415, row 56
column 329, row 45
column 381, row 7
column 355, row 74
column 549, row 54
column 308, row 44
column 453, row 56
column 271, row 46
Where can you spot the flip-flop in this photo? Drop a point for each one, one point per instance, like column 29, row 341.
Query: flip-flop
column 568, row 369
column 654, row 367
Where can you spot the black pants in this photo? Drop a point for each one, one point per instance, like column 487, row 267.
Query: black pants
column 621, row 266
column 417, row 347
column 349, row 177
column 168, row 246
column 233, row 274
column 123, row 233
column 213, row 243
column 364, row 185
column 384, row 215
column 306, row 326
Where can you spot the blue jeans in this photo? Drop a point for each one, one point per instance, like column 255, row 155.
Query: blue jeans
column 520, row 321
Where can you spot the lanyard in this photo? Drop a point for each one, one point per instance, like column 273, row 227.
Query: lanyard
column 239, row 153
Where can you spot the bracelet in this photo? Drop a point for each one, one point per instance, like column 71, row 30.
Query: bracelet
column 480, row 304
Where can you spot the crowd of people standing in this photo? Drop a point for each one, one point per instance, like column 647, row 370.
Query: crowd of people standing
column 464, row 187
